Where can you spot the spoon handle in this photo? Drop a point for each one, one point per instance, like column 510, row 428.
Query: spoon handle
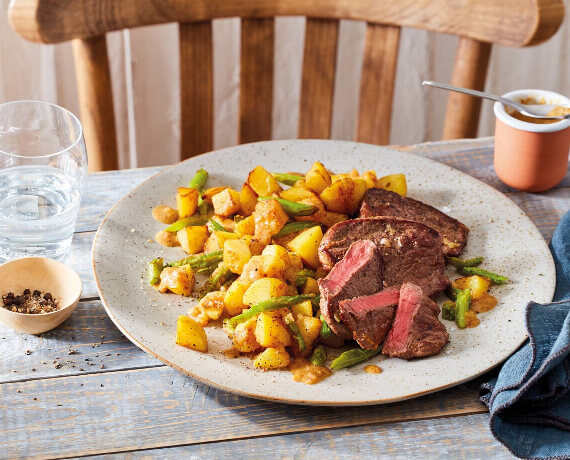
column 471, row 92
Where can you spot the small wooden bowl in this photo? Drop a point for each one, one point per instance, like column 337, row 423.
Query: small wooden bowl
column 45, row 275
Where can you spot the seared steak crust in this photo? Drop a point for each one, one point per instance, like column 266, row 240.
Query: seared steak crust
column 416, row 331
column 379, row 202
column 358, row 273
column 410, row 251
column 370, row 317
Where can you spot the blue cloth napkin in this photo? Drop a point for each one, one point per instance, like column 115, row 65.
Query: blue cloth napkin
column 529, row 402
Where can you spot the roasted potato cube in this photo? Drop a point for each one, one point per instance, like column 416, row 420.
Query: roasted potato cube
column 304, row 308
column 337, row 177
column 270, row 331
column 245, row 226
column 317, row 177
column 476, row 284
column 370, row 178
column 262, row 267
column 247, row 199
column 186, row 201
column 190, row 334
column 210, row 192
column 394, row 182
column 193, row 238
column 262, row 183
column 275, row 250
column 198, row 314
column 310, row 329
column 179, row 280
column 168, row 239
column 227, row 202
column 217, row 239
column 236, row 255
column 296, row 194
column 233, row 300
column 263, row 289
column 294, row 266
column 310, row 287
column 328, row 218
column 306, row 245
column 165, row 214
column 213, row 304
column 269, row 218
column 255, row 246
column 243, row 338
column 344, row 196
column 272, row 358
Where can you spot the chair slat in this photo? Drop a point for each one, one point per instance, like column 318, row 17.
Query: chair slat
column 256, row 80
column 377, row 83
column 196, row 89
column 317, row 82
column 96, row 102
column 469, row 71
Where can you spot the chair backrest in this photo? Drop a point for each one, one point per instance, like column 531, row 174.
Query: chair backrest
column 478, row 23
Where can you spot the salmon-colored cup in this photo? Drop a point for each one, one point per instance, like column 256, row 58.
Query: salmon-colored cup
column 529, row 156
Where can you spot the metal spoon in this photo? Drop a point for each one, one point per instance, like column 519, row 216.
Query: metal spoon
column 531, row 110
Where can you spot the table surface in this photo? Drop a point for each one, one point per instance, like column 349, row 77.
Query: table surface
column 84, row 390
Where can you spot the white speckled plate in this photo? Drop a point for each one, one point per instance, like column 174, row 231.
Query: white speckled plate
column 500, row 232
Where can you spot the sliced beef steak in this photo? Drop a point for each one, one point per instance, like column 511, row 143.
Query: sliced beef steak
column 410, row 251
column 358, row 273
column 370, row 317
column 379, row 202
column 416, row 331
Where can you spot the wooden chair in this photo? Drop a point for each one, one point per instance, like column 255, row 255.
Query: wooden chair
column 479, row 23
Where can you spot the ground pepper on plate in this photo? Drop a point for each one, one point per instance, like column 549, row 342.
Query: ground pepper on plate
column 30, row 302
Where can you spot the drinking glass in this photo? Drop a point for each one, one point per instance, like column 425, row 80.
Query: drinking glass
column 43, row 165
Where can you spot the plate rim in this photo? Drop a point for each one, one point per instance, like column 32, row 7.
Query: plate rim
column 285, row 400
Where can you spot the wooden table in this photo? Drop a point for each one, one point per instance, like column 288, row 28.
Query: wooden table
column 84, row 390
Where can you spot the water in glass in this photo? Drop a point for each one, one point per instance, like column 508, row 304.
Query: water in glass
column 41, row 180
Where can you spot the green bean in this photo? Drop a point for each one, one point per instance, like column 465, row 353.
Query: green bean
column 216, row 226
column 315, row 301
column 354, row 356
column 198, row 182
column 292, row 208
column 155, row 268
column 198, row 262
column 448, row 310
column 186, row 222
column 459, row 263
column 462, row 305
column 287, row 179
column 267, row 305
column 452, row 292
column 294, row 227
column 495, row 279
column 220, row 275
column 296, row 333
column 325, row 329
column 319, row 356
column 302, row 276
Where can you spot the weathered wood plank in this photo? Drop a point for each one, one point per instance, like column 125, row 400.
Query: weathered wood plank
column 160, row 407
column 317, row 80
column 96, row 344
column 103, row 190
column 469, row 438
column 80, row 260
column 196, row 89
column 472, row 156
column 256, row 74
